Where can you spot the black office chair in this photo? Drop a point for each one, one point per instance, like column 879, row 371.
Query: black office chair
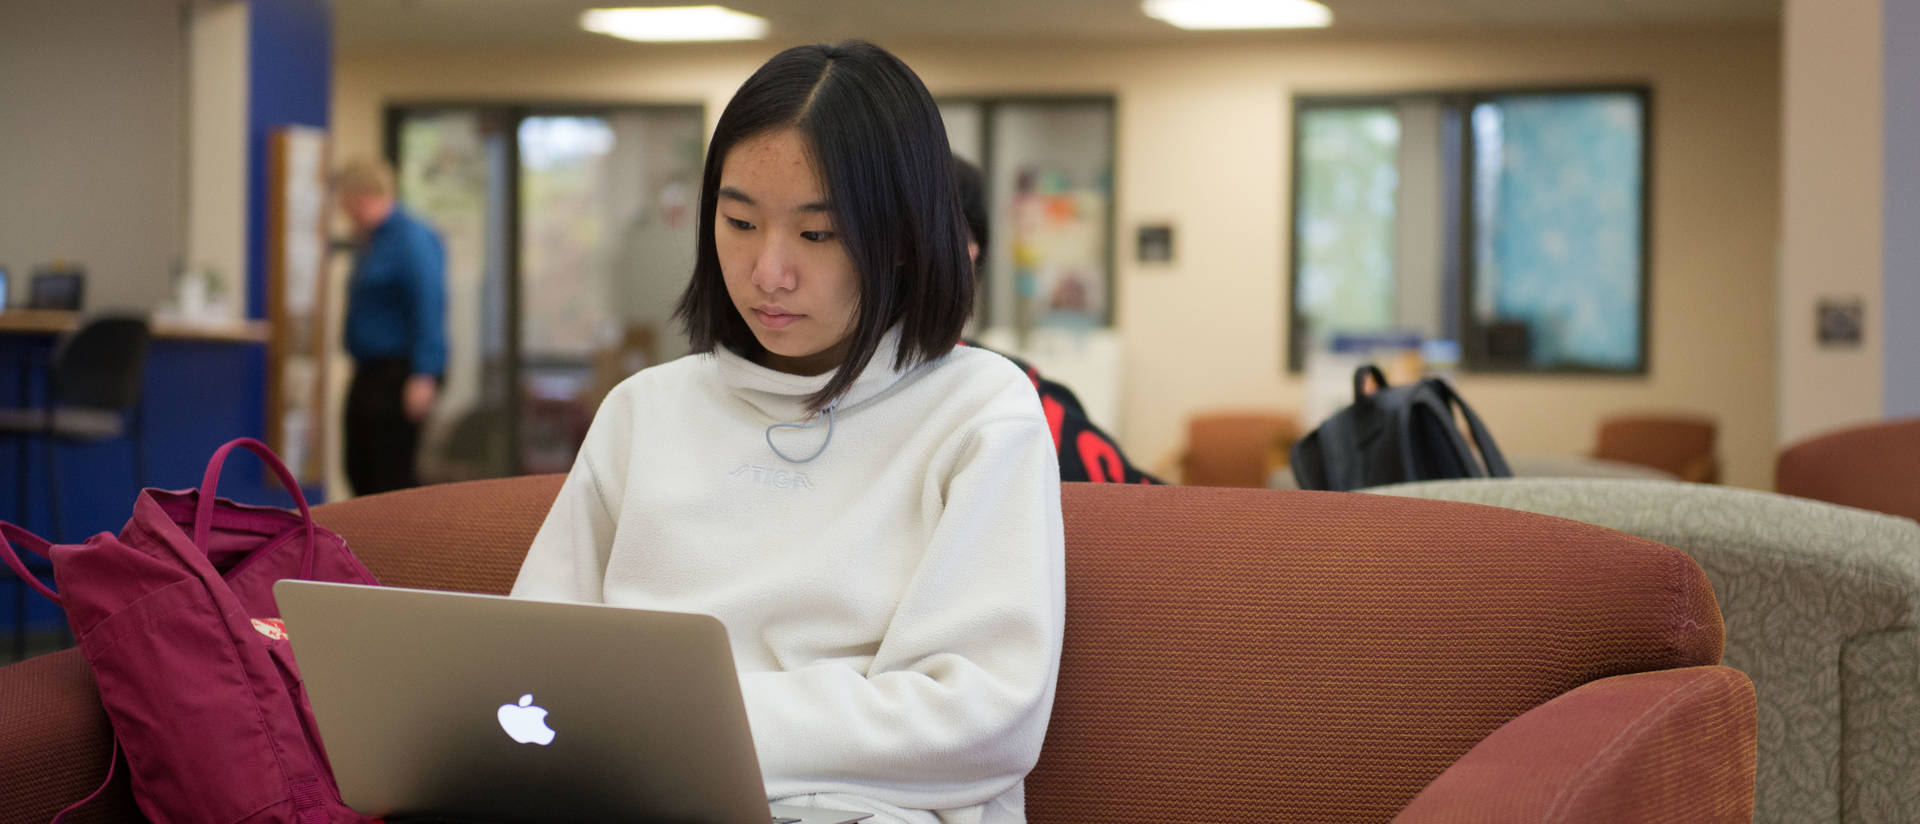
column 93, row 394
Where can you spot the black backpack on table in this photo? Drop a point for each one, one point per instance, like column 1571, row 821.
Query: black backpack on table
column 1393, row 435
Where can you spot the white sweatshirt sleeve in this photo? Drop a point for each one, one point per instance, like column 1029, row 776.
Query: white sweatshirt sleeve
column 568, row 558
column 954, row 707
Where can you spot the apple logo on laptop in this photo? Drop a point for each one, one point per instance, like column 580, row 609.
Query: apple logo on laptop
column 526, row 723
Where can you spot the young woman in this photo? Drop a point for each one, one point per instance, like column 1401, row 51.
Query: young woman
column 872, row 512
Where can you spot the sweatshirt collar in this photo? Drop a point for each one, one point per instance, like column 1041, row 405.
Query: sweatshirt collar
column 783, row 397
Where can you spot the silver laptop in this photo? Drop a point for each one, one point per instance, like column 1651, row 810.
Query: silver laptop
column 462, row 707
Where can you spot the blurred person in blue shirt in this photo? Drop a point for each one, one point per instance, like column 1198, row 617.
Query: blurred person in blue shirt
column 395, row 329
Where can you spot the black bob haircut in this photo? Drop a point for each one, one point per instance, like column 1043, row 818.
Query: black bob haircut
column 880, row 149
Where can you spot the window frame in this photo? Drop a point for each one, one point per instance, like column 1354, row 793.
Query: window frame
column 1457, row 217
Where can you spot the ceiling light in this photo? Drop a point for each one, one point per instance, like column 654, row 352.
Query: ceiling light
column 1239, row 14
column 674, row 24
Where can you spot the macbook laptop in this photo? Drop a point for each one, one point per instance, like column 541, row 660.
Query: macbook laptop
column 449, row 706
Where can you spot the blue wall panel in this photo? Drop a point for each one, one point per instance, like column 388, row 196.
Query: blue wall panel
column 290, row 69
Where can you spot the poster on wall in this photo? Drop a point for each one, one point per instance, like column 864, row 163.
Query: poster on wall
column 1059, row 251
column 296, row 289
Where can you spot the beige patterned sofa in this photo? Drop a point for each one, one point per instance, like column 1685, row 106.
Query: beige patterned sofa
column 1822, row 609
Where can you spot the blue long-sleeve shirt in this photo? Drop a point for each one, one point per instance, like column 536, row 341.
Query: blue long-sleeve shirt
column 397, row 300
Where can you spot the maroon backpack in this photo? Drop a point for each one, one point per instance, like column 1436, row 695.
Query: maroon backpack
column 177, row 619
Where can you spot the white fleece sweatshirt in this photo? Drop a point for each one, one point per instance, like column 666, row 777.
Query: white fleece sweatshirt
column 895, row 604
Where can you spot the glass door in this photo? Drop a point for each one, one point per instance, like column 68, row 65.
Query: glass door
column 453, row 173
column 569, row 236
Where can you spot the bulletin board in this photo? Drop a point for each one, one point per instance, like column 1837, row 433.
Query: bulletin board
column 297, row 186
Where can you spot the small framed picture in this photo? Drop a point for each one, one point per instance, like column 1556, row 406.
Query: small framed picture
column 1840, row 322
column 1155, row 243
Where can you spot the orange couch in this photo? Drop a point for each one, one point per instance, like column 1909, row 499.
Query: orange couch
column 1236, row 448
column 1870, row 466
column 1231, row 655
column 1678, row 444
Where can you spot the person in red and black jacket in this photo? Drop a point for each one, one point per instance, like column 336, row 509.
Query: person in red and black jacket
column 1086, row 453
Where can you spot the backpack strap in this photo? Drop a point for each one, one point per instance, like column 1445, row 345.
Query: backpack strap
column 1359, row 386
column 210, row 485
column 113, row 761
column 10, row 535
column 1496, row 462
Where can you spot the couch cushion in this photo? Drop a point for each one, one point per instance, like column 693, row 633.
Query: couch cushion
column 1869, row 466
column 54, row 744
column 1258, row 655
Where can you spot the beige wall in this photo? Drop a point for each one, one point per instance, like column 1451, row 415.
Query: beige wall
column 217, row 145
column 1830, row 234
column 1203, row 142
column 90, row 144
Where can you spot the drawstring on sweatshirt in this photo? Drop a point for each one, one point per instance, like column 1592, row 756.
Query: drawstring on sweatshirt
column 803, row 426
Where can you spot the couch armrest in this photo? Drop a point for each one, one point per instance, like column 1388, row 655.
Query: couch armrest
column 54, row 743
column 1669, row 745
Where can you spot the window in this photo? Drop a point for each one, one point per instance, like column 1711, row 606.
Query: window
column 1510, row 223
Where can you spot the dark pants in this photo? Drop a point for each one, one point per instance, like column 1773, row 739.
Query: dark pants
column 380, row 439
